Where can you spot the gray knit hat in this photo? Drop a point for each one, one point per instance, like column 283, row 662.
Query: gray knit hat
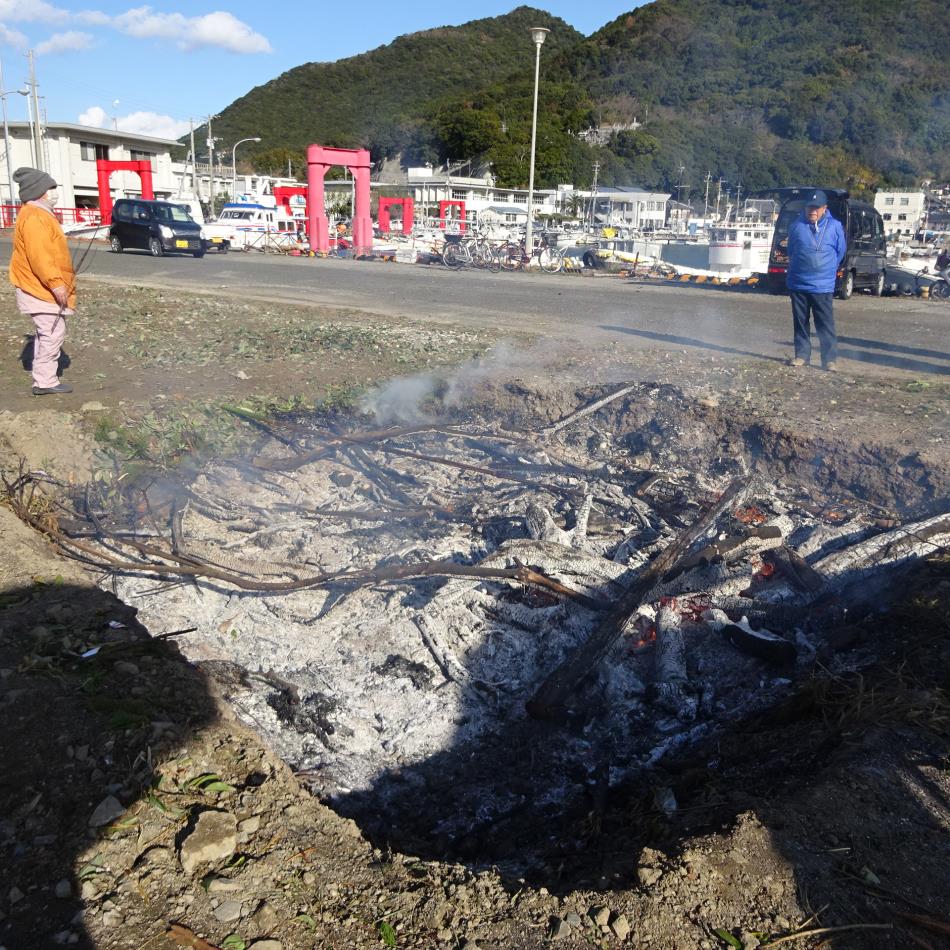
column 33, row 183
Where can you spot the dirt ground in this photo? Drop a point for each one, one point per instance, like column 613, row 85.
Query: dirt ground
column 135, row 811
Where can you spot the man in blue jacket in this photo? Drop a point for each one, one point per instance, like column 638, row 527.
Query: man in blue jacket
column 816, row 246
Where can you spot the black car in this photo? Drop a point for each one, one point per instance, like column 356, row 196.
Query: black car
column 863, row 264
column 159, row 227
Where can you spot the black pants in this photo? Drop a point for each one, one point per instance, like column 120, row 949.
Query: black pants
column 804, row 306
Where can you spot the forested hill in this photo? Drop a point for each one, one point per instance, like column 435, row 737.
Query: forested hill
column 766, row 89
column 380, row 98
column 759, row 92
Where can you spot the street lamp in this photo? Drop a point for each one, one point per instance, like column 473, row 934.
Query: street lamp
column 6, row 129
column 538, row 35
column 254, row 138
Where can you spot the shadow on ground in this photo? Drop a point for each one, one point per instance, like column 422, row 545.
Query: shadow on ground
column 26, row 357
column 74, row 731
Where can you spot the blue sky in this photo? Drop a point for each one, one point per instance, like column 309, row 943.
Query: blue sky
column 151, row 68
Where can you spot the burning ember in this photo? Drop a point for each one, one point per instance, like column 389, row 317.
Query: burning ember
column 382, row 605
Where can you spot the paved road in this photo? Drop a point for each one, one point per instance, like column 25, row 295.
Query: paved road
column 898, row 333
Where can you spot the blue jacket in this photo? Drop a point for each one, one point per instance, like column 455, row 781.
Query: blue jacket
column 814, row 253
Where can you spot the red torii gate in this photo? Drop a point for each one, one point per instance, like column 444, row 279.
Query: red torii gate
column 319, row 161
column 283, row 194
column 444, row 216
column 104, row 169
column 408, row 213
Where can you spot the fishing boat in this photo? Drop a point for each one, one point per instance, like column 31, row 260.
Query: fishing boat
column 743, row 244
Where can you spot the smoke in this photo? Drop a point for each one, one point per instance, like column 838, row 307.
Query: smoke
column 424, row 397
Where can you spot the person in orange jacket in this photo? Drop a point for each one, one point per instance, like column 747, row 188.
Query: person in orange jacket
column 41, row 270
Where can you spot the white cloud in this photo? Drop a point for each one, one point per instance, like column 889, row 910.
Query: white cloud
column 64, row 42
column 95, row 116
column 32, row 10
column 10, row 37
column 140, row 123
column 153, row 123
column 213, row 29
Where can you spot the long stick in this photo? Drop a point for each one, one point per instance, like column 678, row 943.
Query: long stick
column 586, row 411
column 565, row 678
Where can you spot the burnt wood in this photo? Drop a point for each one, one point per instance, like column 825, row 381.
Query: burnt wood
column 561, row 682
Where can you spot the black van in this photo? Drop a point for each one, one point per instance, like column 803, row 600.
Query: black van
column 863, row 264
column 159, row 227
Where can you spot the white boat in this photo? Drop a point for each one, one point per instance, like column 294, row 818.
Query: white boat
column 744, row 244
column 253, row 221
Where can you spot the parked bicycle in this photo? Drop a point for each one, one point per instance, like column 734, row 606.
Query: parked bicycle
column 475, row 251
column 512, row 255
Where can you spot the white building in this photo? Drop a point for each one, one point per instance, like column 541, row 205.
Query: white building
column 902, row 211
column 629, row 207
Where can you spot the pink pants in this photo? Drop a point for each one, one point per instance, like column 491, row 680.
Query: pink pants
column 50, row 333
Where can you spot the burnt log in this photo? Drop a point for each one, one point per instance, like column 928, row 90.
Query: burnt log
column 564, row 679
column 670, row 687
column 795, row 569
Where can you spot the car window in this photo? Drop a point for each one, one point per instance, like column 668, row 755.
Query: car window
column 121, row 211
column 170, row 213
column 141, row 212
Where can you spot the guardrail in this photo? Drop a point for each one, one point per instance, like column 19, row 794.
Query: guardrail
column 67, row 216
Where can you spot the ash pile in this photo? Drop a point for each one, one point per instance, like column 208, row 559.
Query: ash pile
column 444, row 628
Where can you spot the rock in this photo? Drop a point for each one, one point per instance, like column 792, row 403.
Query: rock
column 15, row 895
column 574, row 919
column 250, row 825
column 223, row 885
column 214, row 838
column 89, row 891
column 267, row 945
column 600, row 916
column 649, row 876
column 107, row 811
column 113, row 918
column 240, row 374
column 63, row 889
column 92, row 406
column 265, row 918
column 750, row 941
column 620, row 927
column 124, row 668
column 41, row 632
column 228, row 911
column 560, row 929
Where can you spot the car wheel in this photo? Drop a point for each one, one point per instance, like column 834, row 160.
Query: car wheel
column 940, row 290
column 224, row 248
column 847, row 286
column 116, row 245
column 878, row 288
column 155, row 247
column 197, row 253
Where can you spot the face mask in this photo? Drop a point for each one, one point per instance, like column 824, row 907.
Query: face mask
column 51, row 197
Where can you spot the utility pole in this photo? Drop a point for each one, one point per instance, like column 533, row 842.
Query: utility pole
column 211, row 166
column 195, row 189
column 707, row 179
column 593, row 195
column 718, row 198
column 37, row 130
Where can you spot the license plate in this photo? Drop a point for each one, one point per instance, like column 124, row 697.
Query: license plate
column 181, row 244
column 216, row 240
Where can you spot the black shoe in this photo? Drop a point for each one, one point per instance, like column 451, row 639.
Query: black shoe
column 52, row 390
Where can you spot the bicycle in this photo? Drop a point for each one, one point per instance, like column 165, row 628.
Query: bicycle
column 513, row 257
column 476, row 251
